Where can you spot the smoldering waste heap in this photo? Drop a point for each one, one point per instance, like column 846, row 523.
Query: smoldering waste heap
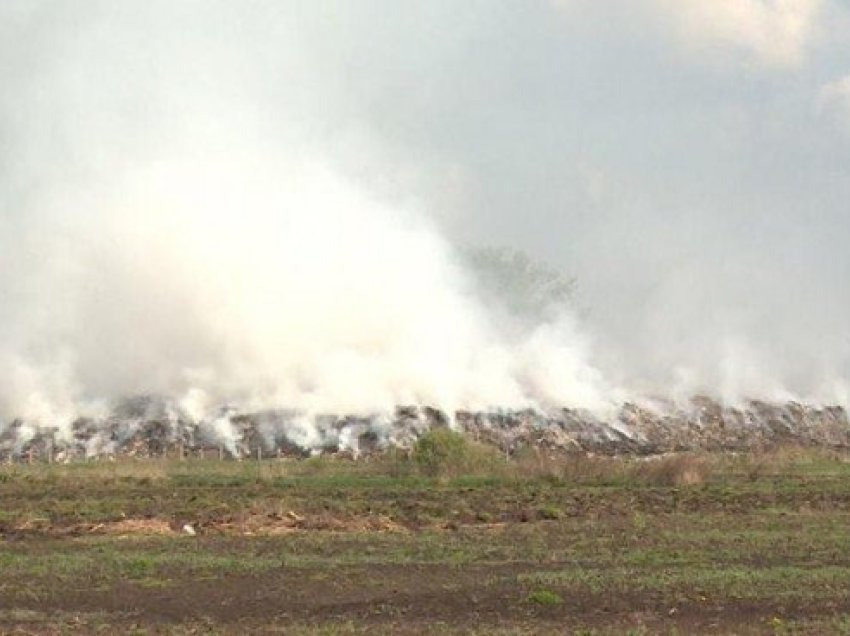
column 148, row 426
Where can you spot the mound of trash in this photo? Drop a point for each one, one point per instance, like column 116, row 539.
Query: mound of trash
column 154, row 427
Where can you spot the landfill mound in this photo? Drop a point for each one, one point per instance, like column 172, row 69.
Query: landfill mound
column 154, row 427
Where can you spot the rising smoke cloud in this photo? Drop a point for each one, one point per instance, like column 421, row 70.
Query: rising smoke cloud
column 197, row 259
column 262, row 205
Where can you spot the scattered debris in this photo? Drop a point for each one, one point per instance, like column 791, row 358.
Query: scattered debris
column 154, row 427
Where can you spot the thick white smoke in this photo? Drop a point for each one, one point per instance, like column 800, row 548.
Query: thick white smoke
column 249, row 206
column 264, row 282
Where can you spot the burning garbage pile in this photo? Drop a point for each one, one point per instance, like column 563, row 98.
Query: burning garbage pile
column 155, row 427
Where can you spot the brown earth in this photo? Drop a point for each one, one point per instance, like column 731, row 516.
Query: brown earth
column 761, row 549
column 399, row 599
column 409, row 598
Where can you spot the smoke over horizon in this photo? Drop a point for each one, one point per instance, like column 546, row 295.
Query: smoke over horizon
column 275, row 205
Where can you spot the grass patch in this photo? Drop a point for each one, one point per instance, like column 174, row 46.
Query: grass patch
column 544, row 598
column 404, row 544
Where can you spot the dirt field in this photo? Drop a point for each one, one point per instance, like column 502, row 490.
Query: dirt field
column 687, row 545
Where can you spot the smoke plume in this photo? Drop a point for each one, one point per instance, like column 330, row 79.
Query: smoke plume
column 278, row 205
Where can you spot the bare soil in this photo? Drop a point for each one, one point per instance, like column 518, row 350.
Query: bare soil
column 747, row 553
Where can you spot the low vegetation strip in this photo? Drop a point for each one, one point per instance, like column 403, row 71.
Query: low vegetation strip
column 446, row 482
column 461, row 542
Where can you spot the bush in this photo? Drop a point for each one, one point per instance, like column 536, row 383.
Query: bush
column 442, row 452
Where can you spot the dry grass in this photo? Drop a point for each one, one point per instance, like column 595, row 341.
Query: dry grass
column 681, row 469
column 134, row 527
column 461, row 457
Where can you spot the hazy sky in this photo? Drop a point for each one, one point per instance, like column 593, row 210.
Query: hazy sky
column 687, row 161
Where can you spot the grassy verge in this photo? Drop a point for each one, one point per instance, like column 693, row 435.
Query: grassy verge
column 470, row 541
column 466, row 487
